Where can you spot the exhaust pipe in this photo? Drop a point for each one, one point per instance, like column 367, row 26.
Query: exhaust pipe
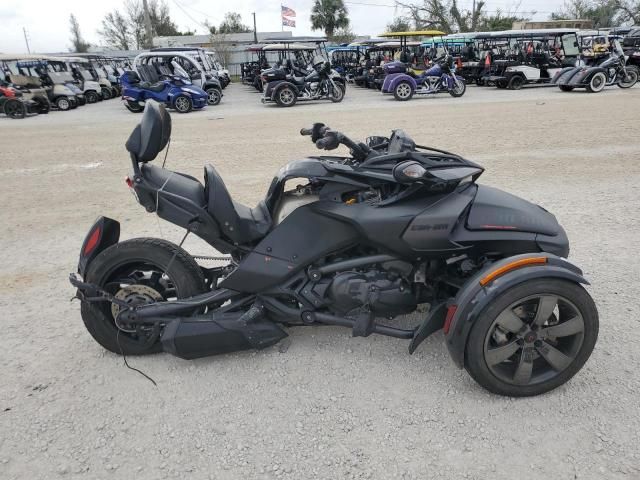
column 214, row 334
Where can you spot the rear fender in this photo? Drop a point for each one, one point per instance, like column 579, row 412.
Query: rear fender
column 279, row 85
column 491, row 282
column 391, row 81
column 564, row 75
column 585, row 75
column 102, row 234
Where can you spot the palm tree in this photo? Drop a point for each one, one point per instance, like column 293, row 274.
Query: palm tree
column 329, row 15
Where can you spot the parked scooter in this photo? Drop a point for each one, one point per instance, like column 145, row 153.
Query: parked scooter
column 373, row 234
column 177, row 93
column 286, row 89
column 440, row 78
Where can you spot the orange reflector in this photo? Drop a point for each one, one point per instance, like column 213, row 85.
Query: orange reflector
column 512, row 266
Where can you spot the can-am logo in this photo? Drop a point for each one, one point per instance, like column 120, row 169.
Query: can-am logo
column 427, row 227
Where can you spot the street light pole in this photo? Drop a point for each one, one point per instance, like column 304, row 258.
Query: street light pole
column 255, row 32
column 26, row 40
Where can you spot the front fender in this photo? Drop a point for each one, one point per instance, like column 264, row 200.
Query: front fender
column 563, row 76
column 477, row 294
column 392, row 80
column 102, row 234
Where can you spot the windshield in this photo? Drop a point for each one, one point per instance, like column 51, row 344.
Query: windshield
column 570, row 45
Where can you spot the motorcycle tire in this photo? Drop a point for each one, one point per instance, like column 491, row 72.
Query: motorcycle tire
column 286, row 96
column 459, row 89
column 632, row 79
column 15, row 109
column 337, row 95
column 509, row 352
column 133, row 107
column 403, row 92
column 182, row 104
column 128, row 263
column 597, row 83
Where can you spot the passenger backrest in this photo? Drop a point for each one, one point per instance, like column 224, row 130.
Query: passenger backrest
column 152, row 134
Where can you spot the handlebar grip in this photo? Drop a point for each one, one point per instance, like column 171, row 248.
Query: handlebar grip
column 306, row 131
column 323, row 143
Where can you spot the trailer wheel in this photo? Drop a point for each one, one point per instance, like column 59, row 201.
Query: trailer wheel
column 403, row 91
column 63, row 104
column 566, row 88
column 516, row 82
column 286, row 96
column 15, row 109
column 597, row 83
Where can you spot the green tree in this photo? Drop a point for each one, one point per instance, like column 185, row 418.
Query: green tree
column 399, row 24
column 232, row 23
column 343, row 35
column 628, row 11
column 604, row 13
column 115, row 30
column 445, row 15
column 329, row 15
column 499, row 21
column 77, row 42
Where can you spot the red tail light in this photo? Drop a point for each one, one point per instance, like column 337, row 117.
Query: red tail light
column 92, row 242
column 129, row 182
column 451, row 311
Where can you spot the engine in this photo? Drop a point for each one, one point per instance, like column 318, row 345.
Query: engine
column 383, row 293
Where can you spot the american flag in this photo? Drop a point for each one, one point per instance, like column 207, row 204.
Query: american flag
column 287, row 12
column 286, row 22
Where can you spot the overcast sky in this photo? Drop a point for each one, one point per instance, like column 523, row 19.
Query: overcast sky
column 47, row 21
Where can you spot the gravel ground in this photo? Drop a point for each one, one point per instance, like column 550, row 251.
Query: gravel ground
column 321, row 405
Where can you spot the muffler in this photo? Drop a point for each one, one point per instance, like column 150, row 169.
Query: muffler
column 214, row 334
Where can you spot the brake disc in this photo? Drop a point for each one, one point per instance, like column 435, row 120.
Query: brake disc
column 134, row 295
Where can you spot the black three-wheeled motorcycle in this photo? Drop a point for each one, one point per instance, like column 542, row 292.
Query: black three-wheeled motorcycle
column 367, row 238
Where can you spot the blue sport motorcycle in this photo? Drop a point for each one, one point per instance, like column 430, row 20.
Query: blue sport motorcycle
column 177, row 93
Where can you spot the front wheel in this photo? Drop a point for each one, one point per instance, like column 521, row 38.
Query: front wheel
column 337, row 93
column 15, row 109
column 213, row 96
column 459, row 87
column 92, row 97
column 106, row 93
column 63, row 104
column 137, row 271
column 516, row 82
column 182, row 104
column 630, row 80
column 532, row 338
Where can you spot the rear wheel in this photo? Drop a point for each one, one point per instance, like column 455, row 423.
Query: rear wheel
column 213, row 96
column 133, row 107
column 286, row 96
column 630, row 80
column 138, row 271
column 15, row 109
column 516, row 82
column 403, row 91
column 63, row 103
column 182, row 104
column 566, row 88
column 597, row 83
column 532, row 338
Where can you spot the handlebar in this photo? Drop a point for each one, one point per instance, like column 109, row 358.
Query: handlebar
column 327, row 139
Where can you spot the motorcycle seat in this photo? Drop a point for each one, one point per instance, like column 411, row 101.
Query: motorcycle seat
column 154, row 87
column 238, row 222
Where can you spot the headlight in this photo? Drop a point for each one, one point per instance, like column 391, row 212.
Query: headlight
column 510, row 69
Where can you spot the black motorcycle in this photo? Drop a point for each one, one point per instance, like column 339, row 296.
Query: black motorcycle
column 370, row 236
column 290, row 84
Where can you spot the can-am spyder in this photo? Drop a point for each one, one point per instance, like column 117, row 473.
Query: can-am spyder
column 371, row 235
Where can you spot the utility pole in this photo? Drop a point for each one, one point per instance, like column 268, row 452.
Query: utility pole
column 26, row 40
column 147, row 24
column 473, row 17
column 255, row 32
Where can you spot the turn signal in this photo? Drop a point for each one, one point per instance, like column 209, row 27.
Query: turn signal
column 511, row 266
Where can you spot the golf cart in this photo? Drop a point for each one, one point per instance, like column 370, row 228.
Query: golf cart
column 12, row 104
column 203, row 60
column 29, row 87
column 61, row 92
column 631, row 47
column 160, row 64
column 82, row 76
column 532, row 57
column 223, row 73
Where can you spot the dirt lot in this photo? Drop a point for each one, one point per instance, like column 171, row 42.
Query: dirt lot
column 328, row 406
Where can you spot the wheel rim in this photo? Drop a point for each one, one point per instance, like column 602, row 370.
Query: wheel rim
column 534, row 339
column 338, row 93
column 403, row 90
column 137, row 284
column 182, row 104
column 631, row 78
column 597, row 82
column 286, row 96
column 458, row 88
column 213, row 96
column 63, row 104
column 12, row 109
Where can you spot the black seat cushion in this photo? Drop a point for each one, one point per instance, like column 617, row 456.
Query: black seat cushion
column 154, row 87
column 176, row 183
column 238, row 222
column 152, row 134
